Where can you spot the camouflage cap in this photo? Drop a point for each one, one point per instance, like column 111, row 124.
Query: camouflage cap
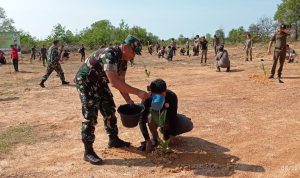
column 137, row 43
column 131, row 39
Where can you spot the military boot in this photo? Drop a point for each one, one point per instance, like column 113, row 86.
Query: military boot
column 279, row 79
column 116, row 142
column 90, row 155
column 42, row 84
column 65, row 83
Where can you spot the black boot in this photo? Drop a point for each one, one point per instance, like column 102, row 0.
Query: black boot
column 271, row 76
column 279, row 79
column 65, row 83
column 42, row 84
column 116, row 142
column 90, row 155
column 228, row 69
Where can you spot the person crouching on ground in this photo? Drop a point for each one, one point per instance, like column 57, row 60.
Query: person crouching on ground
column 290, row 54
column 2, row 58
column 162, row 109
column 222, row 59
column 161, row 52
column 169, row 53
column 182, row 51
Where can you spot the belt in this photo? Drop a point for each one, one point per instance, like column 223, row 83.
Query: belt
column 280, row 48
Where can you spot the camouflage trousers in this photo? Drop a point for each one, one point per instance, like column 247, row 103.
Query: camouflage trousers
column 51, row 68
column 94, row 98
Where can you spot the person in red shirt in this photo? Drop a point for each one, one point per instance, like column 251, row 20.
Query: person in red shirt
column 15, row 57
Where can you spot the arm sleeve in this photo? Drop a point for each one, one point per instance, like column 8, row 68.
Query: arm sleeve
column 55, row 55
column 273, row 38
column 171, row 116
column 217, row 57
column 143, row 121
column 110, row 63
column 172, row 110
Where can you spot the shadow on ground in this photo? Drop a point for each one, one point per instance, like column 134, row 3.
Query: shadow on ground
column 237, row 70
column 294, row 77
column 9, row 98
column 27, row 72
column 192, row 154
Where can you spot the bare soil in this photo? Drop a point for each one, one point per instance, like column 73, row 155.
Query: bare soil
column 245, row 125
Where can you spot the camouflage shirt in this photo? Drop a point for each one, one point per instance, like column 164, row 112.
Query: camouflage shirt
column 53, row 55
column 101, row 61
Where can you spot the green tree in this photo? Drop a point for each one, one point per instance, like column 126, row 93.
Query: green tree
column 58, row 32
column 220, row 33
column 140, row 33
column 289, row 12
column 121, row 32
column 6, row 24
column 237, row 35
column 254, row 31
column 208, row 37
column 181, row 39
column 152, row 38
column 266, row 27
column 27, row 41
column 100, row 33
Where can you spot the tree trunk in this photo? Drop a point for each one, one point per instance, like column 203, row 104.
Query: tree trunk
column 294, row 31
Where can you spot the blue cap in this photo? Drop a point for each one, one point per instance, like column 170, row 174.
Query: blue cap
column 157, row 103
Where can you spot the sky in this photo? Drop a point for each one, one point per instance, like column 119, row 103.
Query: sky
column 164, row 18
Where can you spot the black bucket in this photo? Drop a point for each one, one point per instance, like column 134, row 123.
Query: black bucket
column 130, row 114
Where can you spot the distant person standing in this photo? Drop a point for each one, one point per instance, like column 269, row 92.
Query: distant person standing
column 53, row 64
column 187, row 46
column 204, row 47
column 61, row 51
column 150, row 48
column 161, row 52
column 279, row 38
column 174, row 47
column 82, row 52
column 15, row 57
column 157, row 47
column 33, row 53
column 216, row 43
column 248, row 47
column 196, row 46
column 44, row 55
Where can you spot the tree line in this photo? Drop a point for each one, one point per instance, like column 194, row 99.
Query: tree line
column 103, row 32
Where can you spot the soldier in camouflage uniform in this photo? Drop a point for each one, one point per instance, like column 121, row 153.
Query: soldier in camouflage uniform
column 106, row 65
column 279, row 38
column 53, row 64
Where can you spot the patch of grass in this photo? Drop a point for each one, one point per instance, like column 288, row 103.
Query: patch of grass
column 15, row 135
column 263, row 68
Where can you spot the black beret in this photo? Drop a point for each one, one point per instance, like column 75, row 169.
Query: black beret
column 158, row 86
